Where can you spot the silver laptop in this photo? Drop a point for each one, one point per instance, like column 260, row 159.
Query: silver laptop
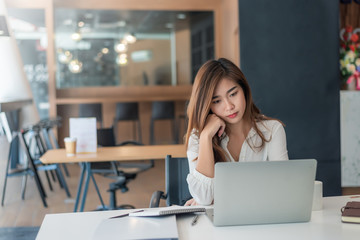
column 263, row 192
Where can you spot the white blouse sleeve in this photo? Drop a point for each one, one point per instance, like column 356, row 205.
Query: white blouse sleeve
column 277, row 145
column 201, row 187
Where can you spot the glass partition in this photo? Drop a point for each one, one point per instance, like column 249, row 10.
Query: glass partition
column 28, row 27
column 130, row 48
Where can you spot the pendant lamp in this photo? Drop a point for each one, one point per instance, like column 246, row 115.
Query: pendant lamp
column 14, row 85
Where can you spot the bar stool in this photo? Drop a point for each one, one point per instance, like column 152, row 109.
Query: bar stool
column 163, row 110
column 128, row 112
column 91, row 110
column 36, row 147
column 23, row 172
column 33, row 147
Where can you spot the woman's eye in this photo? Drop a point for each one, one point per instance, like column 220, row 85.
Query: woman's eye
column 216, row 101
column 233, row 94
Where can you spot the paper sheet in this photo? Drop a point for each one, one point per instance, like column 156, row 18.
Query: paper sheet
column 84, row 129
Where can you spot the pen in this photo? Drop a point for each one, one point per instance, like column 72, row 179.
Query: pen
column 194, row 220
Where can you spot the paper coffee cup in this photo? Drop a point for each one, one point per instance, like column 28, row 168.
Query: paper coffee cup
column 70, row 146
column 318, row 196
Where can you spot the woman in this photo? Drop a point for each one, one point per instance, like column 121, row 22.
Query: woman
column 225, row 125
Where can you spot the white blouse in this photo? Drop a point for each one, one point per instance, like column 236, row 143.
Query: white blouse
column 202, row 187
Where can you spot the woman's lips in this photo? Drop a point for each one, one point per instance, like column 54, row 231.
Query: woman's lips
column 232, row 115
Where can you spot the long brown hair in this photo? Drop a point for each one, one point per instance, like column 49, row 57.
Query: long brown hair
column 206, row 80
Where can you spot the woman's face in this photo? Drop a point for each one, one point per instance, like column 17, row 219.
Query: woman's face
column 228, row 101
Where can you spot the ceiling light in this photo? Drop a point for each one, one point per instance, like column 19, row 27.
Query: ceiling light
column 65, row 57
column 120, row 47
column 121, row 59
column 130, row 38
column 98, row 57
column 81, row 24
column 75, row 66
column 105, row 50
column 76, row 36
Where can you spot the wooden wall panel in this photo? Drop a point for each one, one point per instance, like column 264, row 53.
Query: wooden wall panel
column 140, row 4
column 350, row 14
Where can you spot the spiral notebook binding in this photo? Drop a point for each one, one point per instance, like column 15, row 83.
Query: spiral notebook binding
column 180, row 211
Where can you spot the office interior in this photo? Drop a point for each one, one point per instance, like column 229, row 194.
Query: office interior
column 72, row 54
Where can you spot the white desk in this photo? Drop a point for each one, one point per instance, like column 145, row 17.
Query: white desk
column 325, row 224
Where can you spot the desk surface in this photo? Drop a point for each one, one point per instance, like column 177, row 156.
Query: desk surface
column 121, row 153
column 324, row 224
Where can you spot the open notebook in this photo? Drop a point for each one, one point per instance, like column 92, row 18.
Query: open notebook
column 173, row 210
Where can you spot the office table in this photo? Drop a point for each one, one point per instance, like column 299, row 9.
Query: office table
column 325, row 224
column 103, row 154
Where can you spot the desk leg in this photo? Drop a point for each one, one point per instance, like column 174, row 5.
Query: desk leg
column 98, row 192
column 78, row 194
column 88, row 176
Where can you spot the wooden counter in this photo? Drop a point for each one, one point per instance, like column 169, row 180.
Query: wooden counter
column 123, row 94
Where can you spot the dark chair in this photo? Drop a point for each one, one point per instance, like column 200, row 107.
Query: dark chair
column 91, row 110
column 176, row 187
column 122, row 173
column 163, row 110
column 105, row 138
column 128, row 112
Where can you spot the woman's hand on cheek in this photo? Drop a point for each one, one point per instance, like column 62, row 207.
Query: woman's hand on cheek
column 214, row 125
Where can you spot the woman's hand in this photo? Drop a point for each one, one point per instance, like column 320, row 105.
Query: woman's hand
column 191, row 202
column 205, row 161
column 214, row 126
